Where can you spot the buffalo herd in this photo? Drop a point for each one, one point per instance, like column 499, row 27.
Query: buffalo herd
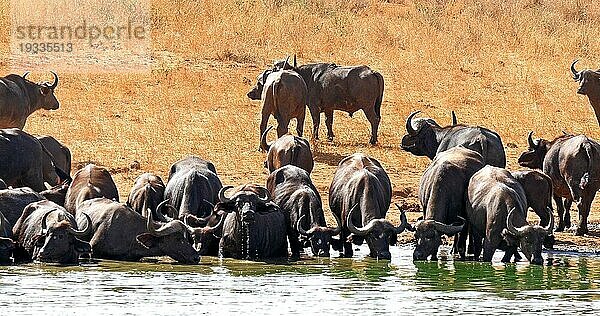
column 466, row 193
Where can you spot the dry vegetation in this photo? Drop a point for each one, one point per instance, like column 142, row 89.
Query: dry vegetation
column 499, row 64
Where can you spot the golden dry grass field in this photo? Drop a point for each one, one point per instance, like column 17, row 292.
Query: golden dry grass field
column 499, row 64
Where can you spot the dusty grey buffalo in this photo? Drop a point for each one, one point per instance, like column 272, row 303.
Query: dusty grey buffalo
column 90, row 182
column 287, row 150
column 120, row 233
column 442, row 195
column 192, row 189
column 426, row 138
column 14, row 201
column 344, row 88
column 20, row 97
column 497, row 214
column 146, row 194
column 6, row 243
column 360, row 194
column 60, row 153
column 25, row 162
column 284, row 95
column 295, row 194
column 572, row 164
column 589, row 85
column 48, row 233
column 254, row 228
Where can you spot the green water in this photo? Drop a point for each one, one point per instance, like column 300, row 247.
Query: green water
column 567, row 284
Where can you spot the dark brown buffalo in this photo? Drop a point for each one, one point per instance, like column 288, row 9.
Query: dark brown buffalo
column 589, row 85
column 426, row 138
column 360, row 194
column 192, row 189
column 20, row 97
column 344, row 88
column 295, row 194
column 119, row 233
column 24, row 162
column 254, row 228
column 48, row 233
column 14, row 201
column 6, row 243
column 284, row 95
column 146, row 194
column 90, row 182
column 287, row 150
column 497, row 214
column 206, row 238
column 442, row 195
column 572, row 164
column 60, row 153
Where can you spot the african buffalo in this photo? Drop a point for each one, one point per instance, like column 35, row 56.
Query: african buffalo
column 60, row 153
column 14, row 201
column 206, row 238
column 360, row 194
column 120, row 233
column 48, row 233
column 442, row 195
column 58, row 193
column 426, row 138
column 284, row 95
column 90, row 182
column 287, row 150
column 572, row 164
column 254, row 228
column 25, row 162
column 589, row 84
column 6, row 243
column 146, row 194
column 20, row 97
column 193, row 188
column 497, row 213
column 295, row 194
column 345, row 88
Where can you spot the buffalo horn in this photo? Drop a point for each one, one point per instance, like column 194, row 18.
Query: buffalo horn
column 510, row 225
column 576, row 75
column 358, row 231
column 84, row 232
column 222, row 196
column 409, row 127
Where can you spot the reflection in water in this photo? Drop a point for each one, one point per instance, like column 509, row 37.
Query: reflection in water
column 315, row 285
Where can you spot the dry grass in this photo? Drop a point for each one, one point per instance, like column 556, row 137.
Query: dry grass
column 499, row 64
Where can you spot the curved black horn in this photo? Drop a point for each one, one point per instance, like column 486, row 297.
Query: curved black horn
column 404, row 224
column 44, row 224
column 358, row 231
column 301, row 230
column 409, row 127
column 84, row 232
column 510, row 225
column 530, row 140
column 55, row 83
column 449, row 230
column 454, row 120
column 212, row 229
column 263, row 139
column 576, row 75
column 295, row 65
column 338, row 229
column 264, row 195
column 287, row 59
column 222, row 197
column 25, row 75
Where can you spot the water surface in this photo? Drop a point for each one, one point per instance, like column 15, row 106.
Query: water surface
column 359, row 286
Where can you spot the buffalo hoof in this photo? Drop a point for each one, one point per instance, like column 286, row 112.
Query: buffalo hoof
column 581, row 231
column 329, row 138
column 295, row 257
column 373, row 141
column 560, row 228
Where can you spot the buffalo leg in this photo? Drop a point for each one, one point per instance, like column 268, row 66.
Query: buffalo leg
column 329, row 124
column 282, row 127
column 567, row 219
column 316, row 118
column 560, row 209
column 263, row 125
column 477, row 245
column 489, row 247
column 374, row 119
column 584, row 206
column 300, row 123
column 509, row 253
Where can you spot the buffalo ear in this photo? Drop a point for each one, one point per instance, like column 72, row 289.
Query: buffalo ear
column 147, row 240
column 279, row 177
column 44, row 90
column 82, row 246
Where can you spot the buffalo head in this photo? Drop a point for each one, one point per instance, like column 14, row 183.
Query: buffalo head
column 246, row 202
column 529, row 238
column 59, row 242
column 534, row 156
column 589, row 80
column 428, row 237
column 6, row 244
column 170, row 239
column 319, row 238
column 421, row 137
column 46, row 99
column 205, row 237
column 379, row 234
